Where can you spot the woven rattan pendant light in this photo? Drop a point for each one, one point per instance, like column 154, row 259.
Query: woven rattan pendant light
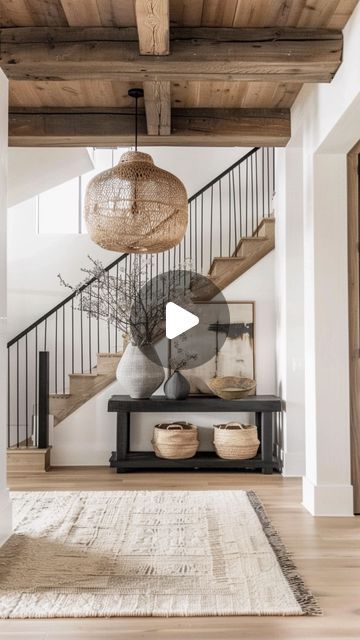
column 136, row 207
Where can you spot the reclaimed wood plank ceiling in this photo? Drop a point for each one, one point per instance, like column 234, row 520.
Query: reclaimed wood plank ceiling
column 192, row 56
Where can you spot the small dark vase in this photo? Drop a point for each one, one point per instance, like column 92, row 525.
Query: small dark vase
column 176, row 387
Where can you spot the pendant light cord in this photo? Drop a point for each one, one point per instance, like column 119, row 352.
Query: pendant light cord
column 136, row 122
column 136, row 93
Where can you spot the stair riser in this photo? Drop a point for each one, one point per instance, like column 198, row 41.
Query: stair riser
column 57, row 404
column 108, row 365
column 267, row 229
column 247, row 249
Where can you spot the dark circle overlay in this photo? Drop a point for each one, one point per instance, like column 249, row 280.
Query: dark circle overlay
column 198, row 295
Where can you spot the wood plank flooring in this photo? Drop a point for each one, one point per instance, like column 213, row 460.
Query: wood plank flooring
column 326, row 550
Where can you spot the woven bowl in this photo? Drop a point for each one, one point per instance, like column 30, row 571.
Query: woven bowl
column 231, row 387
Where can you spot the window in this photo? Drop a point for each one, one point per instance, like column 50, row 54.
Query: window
column 60, row 209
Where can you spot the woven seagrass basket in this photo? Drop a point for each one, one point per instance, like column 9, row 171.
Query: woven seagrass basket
column 235, row 441
column 175, row 441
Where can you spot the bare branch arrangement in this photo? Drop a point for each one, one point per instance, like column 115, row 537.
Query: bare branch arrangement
column 124, row 301
column 178, row 356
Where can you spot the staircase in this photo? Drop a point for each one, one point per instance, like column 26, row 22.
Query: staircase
column 231, row 227
column 248, row 252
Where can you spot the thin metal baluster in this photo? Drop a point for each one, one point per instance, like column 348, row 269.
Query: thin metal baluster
column 8, row 400
column 273, row 168
column 263, row 180
column 240, row 197
column 81, row 334
column 246, row 195
column 17, row 397
column 220, row 204
column 157, row 276
column 252, row 193
column 90, row 364
column 108, row 322
column 72, row 338
column 256, row 190
column 184, row 258
column 116, row 310
column 26, row 392
column 202, row 234
column 63, row 349
column 190, row 228
column 163, row 262
column 168, row 259
column 36, row 372
column 196, row 237
column 98, row 317
column 211, row 221
column 146, row 283
column 268, row 180
column 234, row 207
column 56, row 332
column 229, row 215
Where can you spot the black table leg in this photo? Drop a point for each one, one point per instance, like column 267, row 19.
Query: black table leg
column 267, row 442
column 122, row 438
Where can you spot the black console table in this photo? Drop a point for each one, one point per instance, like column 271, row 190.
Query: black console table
column 125, row 460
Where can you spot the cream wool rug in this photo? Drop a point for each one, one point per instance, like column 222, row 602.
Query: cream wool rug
column 146, row 553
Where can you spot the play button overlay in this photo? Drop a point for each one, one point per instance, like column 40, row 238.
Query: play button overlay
column 186, row 318
column 178, row 320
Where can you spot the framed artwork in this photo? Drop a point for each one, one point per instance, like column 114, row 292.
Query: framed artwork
column 235, row 357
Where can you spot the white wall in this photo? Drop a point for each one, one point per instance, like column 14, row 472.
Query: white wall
column 32, row 170
column 87, row 437
column 5, row 505
column 325, row 126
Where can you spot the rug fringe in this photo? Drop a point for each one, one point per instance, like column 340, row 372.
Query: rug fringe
column 303, row 595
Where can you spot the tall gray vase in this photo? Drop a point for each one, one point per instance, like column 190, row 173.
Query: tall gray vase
column 139, row 375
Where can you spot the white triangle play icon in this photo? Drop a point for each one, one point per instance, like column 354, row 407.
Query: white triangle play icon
column 178, row 320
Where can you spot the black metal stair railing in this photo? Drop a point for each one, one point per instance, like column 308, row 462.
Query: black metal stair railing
column 225, row 210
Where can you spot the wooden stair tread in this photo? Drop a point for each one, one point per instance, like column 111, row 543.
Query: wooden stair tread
column 59, row 395
column 85, row 375
column 116, row 354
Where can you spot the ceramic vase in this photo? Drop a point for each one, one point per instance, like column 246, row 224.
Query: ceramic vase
column 140, row 371
column 176, row 387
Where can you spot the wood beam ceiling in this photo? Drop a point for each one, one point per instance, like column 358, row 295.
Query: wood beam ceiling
column 268, row 54
column 153, row 23
column 115, row 127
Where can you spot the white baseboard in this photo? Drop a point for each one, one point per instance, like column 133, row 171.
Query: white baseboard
column 328, row 500
column 293, row 464
column 5, row 515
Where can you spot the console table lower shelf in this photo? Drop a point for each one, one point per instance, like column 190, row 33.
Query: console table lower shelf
column 147, row 460
column 264, row 407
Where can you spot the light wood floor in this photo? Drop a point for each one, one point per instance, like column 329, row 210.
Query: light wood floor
column 326, row 550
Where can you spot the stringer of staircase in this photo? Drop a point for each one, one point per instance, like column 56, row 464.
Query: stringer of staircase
column 84, row 386
column 248, row 252
column 223, row 271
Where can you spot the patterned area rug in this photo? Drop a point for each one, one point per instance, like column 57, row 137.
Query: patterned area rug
column 146, row 553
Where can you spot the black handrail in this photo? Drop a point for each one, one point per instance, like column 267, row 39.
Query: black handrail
column 223, row 174
column 63, row 302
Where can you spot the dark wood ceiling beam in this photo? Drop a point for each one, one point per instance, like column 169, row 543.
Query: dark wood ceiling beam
column 266, row 54
column 115, row 127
